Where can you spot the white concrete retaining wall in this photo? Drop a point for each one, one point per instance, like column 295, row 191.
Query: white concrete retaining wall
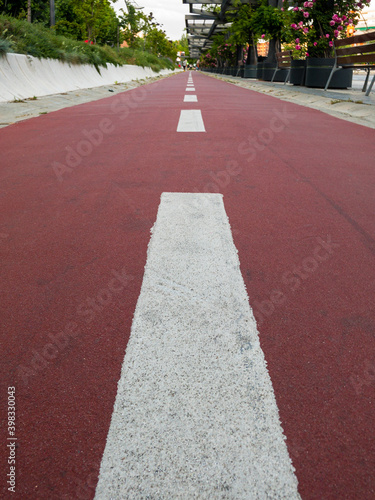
column 23, row 76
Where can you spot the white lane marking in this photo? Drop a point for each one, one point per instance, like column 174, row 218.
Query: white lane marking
column 195, row 414
column 190, row 98
column 191, row 121
column 189, row 89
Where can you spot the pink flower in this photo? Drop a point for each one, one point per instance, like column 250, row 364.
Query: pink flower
column 306, row 30
column 298, row 47
column 306, row 4
column 297, row 40
column 296, row 9
column 330, row 44
column 293, row 26
column 307, row 54
column 332, row 23
column 340, row 28
column 336, row 33
column 315, row 44
column 306, row 14
column 327, row 35
column 311, row 5
column 263, row 36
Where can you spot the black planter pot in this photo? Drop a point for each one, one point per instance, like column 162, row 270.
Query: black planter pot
column 280, row 76
column 298, row 72
column 318, row 71
column 260, row 70
column 268, row 71
column 250, row 71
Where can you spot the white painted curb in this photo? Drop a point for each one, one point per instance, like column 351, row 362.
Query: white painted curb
column 24, row 76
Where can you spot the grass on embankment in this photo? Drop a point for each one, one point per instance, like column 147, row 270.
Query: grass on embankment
column 36, row 40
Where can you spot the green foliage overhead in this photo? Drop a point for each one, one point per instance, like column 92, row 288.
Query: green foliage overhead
column 269, row 21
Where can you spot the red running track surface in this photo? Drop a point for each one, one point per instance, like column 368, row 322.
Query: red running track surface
column 298, row 189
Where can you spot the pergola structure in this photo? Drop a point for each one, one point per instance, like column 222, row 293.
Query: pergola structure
column 202, row 24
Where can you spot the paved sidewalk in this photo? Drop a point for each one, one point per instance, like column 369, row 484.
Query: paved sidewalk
column 349, row 104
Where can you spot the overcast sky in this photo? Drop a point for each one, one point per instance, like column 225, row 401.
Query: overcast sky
column 169, row 13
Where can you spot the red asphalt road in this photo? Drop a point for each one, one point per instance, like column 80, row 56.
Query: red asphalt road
column 301, row 208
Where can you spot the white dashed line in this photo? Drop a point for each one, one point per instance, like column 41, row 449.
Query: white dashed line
column 195, row 414
column 190, row 98
column 191, row 121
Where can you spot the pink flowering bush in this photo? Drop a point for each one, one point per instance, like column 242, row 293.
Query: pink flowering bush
column 207, row 61
column 317, row 23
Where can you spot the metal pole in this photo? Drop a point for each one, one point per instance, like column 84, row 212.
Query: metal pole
column 52, row 12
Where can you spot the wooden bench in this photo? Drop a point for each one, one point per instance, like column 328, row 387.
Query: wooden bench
column 355, row 52
column 284, row 61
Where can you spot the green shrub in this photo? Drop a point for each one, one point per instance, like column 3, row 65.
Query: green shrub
column 39, row 41
column 5, row 46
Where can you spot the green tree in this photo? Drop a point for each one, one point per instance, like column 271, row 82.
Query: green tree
column 97, row 19
column 157, row 42
column 66, row 20
column 182, row 45
column 133, row 22
column 19, row 8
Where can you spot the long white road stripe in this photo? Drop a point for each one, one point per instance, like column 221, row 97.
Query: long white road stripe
column 190, row 98
column 191, row 121
column 195, row 414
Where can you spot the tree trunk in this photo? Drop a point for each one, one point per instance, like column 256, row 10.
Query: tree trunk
column 29, row 11
column 239, row 55
column 52, row 12
column 274, row 46
column 252, row 56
